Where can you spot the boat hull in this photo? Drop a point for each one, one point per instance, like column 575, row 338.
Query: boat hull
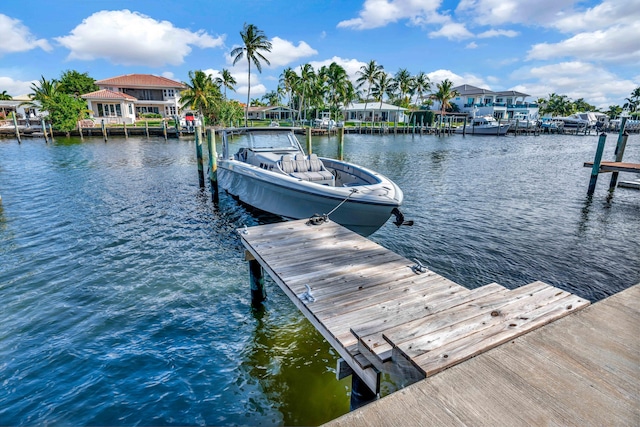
column 364, row 211
column 485, row 130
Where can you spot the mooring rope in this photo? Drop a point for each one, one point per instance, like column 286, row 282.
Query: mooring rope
column 319, row 219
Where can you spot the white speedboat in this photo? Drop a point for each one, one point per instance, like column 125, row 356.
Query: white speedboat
column 268, row 169
column 579, row 120
column 484, row 125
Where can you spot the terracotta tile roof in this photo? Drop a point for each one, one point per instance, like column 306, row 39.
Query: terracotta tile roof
column 141, row 80
column 108, row 94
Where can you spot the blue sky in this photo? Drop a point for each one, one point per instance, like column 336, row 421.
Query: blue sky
column 582, row 49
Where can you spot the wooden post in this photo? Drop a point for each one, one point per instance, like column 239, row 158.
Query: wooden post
column 80, row 130
column 308, row 138
column 341, row 144
column 146, row 127
column 124, row 126
column 498, row 129
column 15, row 125
column 516, row 131
column 213, row 164
column 51, row 131
column 164, row 132
column 596, row 164
column 44, row 130
column 104, row 131
column 464, row 127
column 199, row 156
column 176, row 121
column 256, row 280
column 620, row 146
column 360, row 393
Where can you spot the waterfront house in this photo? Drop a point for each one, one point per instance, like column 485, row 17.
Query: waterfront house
column 123, row 99
column 501, row 104
column 23, row 111
column 273, row 112
column 374, row 111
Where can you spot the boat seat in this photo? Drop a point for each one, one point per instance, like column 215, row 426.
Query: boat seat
column 303, row 166
column 315, row 165
column 288, row 166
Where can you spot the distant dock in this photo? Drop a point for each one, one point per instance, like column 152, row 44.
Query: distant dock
column 384, row 313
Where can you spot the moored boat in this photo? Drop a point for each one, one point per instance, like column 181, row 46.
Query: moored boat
column 485, row 125
column 269, row 170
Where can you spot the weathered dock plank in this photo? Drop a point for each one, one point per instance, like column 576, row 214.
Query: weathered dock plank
column 581, row 370
column 377, row 309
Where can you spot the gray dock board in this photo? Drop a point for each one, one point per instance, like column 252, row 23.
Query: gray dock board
column 581, row 370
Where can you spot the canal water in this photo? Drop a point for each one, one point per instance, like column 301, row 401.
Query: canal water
column 125, row 298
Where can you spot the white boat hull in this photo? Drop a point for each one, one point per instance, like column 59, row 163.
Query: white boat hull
column 364, row 211
column 485, row 130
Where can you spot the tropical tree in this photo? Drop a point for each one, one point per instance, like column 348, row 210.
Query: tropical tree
column 633, row 102
column 404, row 85
column 558, row 105
column 201, row 94
column 229, row 112
column 444, row 94
column 384, row 85
column 307, row 83
column 368, row 75
column 75, row 83
column 614, row 111
column 339, row 89
column 288, row 83
column 4, row 96
column 65, row 110
column 255, row 42
column 42, row 91
column 226, row 81
column 271, row 98
column 421, row 85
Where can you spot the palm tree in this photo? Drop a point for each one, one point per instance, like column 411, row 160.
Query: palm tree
column 255, row 42
column 421, row 85
column 201, row 94
column 307, row 81
column 272, row 98
column 339, row 87
column 384, row 85
column 226, row 81
column 4, row 96
column 288, row 82
column 634, row 100
column 404, row 84
column 444, row 94
column 369, row 75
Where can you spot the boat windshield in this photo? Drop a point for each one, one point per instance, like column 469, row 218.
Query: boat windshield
column 270, row 140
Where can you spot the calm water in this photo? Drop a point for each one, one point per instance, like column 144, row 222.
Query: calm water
column 125, row 299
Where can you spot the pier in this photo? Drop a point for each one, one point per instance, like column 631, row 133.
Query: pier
column 383, row 313
column 582, row 370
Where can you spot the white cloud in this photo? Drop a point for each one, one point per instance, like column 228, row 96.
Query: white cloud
column 617, row 44
column 131, row 38
column 16, row 37
column 15, row 87
column 601, row 16
column 283, row 52
column 576, row 79
column 497, row 12
column 440, row 75
column 472, row 45
column 497, row 33
column 379, row 13
column 452, row 31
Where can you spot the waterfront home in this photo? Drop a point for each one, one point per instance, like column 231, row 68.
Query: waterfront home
column 23, row 111
column 500, row 105
column 273, row 112
column 123, row 99
column 374, row 111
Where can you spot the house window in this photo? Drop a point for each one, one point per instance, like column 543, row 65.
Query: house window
column 168, row 93
column 170, row 110
column 109, row 110
column 130, row 109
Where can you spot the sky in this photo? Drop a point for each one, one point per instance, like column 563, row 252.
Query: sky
column 581, row 49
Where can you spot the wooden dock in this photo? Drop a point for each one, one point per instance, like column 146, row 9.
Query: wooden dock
column 384, row 313
column 582, row 370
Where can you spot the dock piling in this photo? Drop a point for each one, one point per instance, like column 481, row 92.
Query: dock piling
column 15, row 125
column 199, row 155
column 620, row 146
column 104, row 131
column 308, row 139
column 596, row 164
column 341, row 144
column 164, row 130
column 146, row 128
column 213, row 164
column 256, row 278
column 361, row 394
column 44, row 130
